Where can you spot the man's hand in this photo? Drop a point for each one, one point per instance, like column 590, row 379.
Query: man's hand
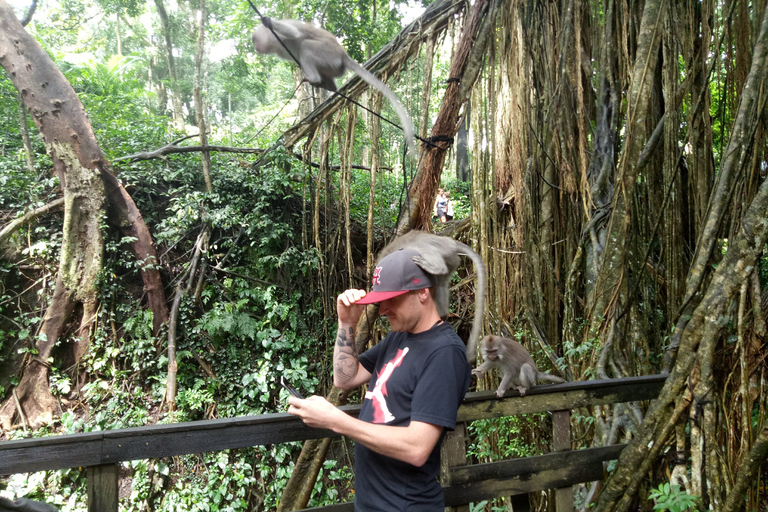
column 316, row 412
column 349, row 312
column 411, row 444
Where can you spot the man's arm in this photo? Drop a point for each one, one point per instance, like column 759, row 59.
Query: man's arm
column 411, row 444
column 348, row 373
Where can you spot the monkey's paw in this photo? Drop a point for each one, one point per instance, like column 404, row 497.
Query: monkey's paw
column 266, row 21
column 477, row 372
column 500, row 393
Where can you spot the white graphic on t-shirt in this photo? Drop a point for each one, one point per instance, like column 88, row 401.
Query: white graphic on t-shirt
column 381, row 412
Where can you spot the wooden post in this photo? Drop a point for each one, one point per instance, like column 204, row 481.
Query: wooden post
column 561, row 442
column 102, row 488
column 453, row 453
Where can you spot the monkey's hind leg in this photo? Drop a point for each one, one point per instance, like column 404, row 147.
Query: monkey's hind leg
column 320, row 65
column 527, row 378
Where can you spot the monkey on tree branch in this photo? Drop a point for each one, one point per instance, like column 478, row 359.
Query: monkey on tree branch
column 322, row 59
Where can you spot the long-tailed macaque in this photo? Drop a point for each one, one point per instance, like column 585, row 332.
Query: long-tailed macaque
column 322, row 59
column 514, row 361
column 439, row 255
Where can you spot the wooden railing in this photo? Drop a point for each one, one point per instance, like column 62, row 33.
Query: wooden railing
column 100, row 453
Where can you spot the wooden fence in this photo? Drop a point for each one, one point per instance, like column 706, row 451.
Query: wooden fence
column 100, row 453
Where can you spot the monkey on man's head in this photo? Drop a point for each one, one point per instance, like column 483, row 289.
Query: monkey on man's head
column 511, row 358
column 322, row 59
column 439, row 255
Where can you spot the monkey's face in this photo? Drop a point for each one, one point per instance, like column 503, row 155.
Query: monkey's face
column 261, row 40
column 489, row 348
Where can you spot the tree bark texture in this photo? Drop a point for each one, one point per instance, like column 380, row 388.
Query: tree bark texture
column 699, row 337
column 202, row 125
column 178, row 111
column 29, row 155
column 88, row 189
column 464, row 70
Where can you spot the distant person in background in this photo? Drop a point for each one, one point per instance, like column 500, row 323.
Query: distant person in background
column 437, row 199
column 448, row 206
column 440, row 205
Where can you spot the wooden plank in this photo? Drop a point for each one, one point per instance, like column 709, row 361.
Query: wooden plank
column 167, row 440
column 340, row 507
column 96, row 448
column 110, row 446
column 453, row 453
column 101, row 484
column 471, row 484
column 47, row 453
column 561, row 441
column 571, row 395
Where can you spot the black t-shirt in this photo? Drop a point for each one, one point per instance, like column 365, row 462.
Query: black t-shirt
column 421, row 377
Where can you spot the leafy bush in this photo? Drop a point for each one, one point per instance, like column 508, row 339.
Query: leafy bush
column 673, row 498
column 504, row 438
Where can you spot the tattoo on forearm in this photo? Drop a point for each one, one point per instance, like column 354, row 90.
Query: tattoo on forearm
column 345, row 360
column 341, row 337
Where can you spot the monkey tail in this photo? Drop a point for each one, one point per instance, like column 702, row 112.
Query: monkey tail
column 477, row 323
column 405, row 119
column 549, row 378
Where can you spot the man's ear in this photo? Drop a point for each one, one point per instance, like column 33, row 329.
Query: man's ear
column 423, row 294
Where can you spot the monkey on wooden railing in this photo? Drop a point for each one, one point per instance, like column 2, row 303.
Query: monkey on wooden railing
column 514, row 361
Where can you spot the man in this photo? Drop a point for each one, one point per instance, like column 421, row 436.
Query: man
column 417, row 375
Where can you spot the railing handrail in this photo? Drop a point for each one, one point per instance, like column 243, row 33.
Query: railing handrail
column 154, row 441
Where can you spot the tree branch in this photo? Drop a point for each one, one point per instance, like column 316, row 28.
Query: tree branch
column 12, row 226
column 31, row 12
column 172, row 148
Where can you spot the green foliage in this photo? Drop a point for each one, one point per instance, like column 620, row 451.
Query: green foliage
column 22, row 189
column 256, row 314
column 505, row 438
column 333, row 485
column 673, row 498
column 480, row 506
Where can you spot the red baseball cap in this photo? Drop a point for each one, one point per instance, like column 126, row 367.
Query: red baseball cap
column 396, row 274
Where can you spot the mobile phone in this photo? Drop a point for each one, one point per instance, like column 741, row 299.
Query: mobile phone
column 292, row 390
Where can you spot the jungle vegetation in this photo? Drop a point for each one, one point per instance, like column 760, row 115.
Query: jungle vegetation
column 178, row 214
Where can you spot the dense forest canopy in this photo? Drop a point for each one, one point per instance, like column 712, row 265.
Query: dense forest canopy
column 179, row 213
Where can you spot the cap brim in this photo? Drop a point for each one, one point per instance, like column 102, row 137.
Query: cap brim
column 374, row 297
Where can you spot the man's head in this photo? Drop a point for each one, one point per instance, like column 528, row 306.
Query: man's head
column 396, row 274
column 403, row 290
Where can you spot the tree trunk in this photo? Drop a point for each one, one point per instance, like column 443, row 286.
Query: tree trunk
column 79, row 163
column 462, row 147
column 464, row 71
column 29, row 155
column 613, row 262
column 375, row 126
column 426, row 93
column 178, row 110
column 199, row 100
column 694, row 342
